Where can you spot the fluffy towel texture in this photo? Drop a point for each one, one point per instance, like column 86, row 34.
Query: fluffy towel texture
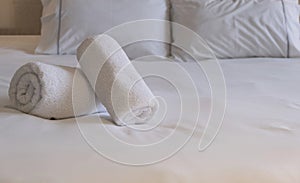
column 46, row 91
column 117, row 84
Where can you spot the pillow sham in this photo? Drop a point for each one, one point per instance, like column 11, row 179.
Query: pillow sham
column 292, row 11
column 66, row 23
column 238, row 28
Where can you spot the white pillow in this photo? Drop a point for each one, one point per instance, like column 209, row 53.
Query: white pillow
column 292, row 11
column 66, row 23
column 239, row 28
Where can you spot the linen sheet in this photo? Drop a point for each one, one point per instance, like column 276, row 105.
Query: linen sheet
column 259, row 140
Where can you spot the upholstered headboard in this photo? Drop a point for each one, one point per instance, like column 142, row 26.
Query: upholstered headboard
column 21, row 17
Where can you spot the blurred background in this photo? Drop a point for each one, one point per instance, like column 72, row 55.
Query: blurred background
column 20, row 17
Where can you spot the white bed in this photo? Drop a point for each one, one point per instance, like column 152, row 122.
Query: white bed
column 258, row 142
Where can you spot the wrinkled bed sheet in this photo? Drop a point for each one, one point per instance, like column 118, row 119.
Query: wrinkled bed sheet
column 259, row 140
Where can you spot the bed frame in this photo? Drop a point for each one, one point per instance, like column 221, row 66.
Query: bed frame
column 20, row 17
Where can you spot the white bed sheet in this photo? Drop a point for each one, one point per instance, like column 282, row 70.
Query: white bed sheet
column 258, row 142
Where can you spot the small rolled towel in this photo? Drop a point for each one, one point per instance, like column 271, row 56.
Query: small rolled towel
column 46, row 91
column 117, row 84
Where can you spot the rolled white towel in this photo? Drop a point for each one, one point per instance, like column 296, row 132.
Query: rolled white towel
column 117, row 84
column 46, row 91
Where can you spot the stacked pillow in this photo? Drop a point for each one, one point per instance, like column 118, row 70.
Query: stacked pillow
column 239, row 28
column 66, row 23
column 231, row 28
column 292, row 11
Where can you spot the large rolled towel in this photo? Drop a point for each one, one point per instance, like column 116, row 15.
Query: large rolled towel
column 46, row 91
column 117, row 84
